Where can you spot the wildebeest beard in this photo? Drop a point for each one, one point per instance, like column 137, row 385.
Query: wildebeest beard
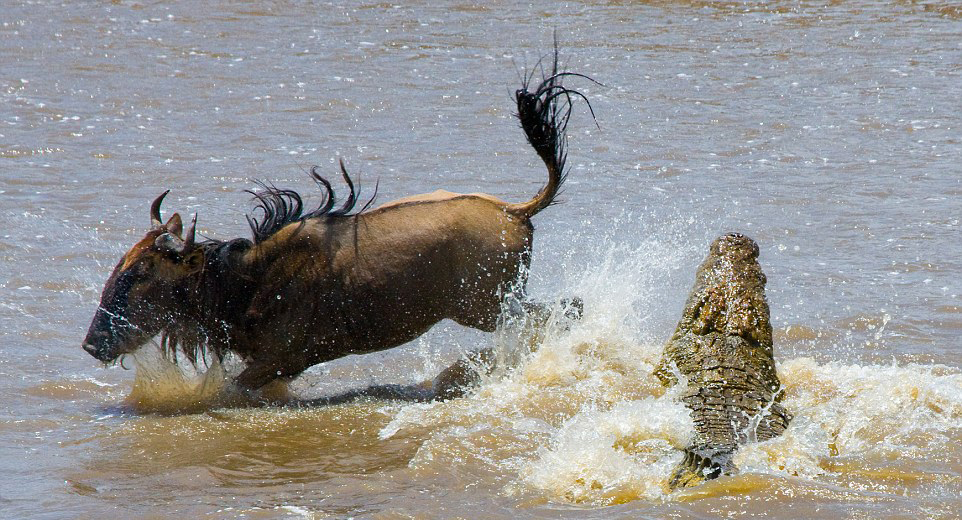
column 212, row 306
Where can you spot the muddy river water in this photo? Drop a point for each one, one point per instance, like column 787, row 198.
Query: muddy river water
column 829, row 131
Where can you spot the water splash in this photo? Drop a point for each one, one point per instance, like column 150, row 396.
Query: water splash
column 164, row 386
column 583, row 420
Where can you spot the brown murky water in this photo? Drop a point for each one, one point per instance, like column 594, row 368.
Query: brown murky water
column 828, row 131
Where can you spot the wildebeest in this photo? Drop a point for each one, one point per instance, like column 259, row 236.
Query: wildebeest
column 317, row 285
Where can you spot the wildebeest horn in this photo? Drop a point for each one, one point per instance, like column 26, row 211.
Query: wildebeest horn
column 189, row 239
column 155, row 221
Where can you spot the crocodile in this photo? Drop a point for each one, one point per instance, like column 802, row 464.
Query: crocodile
column 722, row 350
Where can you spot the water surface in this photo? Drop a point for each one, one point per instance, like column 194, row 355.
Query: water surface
column 827, row 131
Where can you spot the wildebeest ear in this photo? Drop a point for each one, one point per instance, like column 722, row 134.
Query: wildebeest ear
column 174, row 225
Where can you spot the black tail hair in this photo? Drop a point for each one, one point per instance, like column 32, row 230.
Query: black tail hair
column 543, row 111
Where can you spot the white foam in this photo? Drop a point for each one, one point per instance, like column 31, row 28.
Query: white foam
column 613, row 455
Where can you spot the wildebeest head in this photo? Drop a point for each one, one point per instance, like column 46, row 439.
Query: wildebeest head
column 147, row 290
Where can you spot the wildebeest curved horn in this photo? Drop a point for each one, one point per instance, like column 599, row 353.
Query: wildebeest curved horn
column 155, row 221
column 189, row 238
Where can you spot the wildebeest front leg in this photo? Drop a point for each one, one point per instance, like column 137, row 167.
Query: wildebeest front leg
column 464, row 374
column 255, row 380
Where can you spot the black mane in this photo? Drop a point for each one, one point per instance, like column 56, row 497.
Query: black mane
column 282, row 207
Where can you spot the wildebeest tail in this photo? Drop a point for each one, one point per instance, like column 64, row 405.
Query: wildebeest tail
column 543, row 111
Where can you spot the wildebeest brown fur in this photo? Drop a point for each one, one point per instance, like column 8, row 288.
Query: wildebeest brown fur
column 315, row 286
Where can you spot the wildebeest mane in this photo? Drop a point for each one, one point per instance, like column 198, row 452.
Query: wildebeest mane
column 281, row 207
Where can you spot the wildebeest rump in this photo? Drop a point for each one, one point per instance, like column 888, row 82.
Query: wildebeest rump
column 317, row 285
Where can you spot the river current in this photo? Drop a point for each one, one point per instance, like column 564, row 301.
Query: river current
column 830, row 132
